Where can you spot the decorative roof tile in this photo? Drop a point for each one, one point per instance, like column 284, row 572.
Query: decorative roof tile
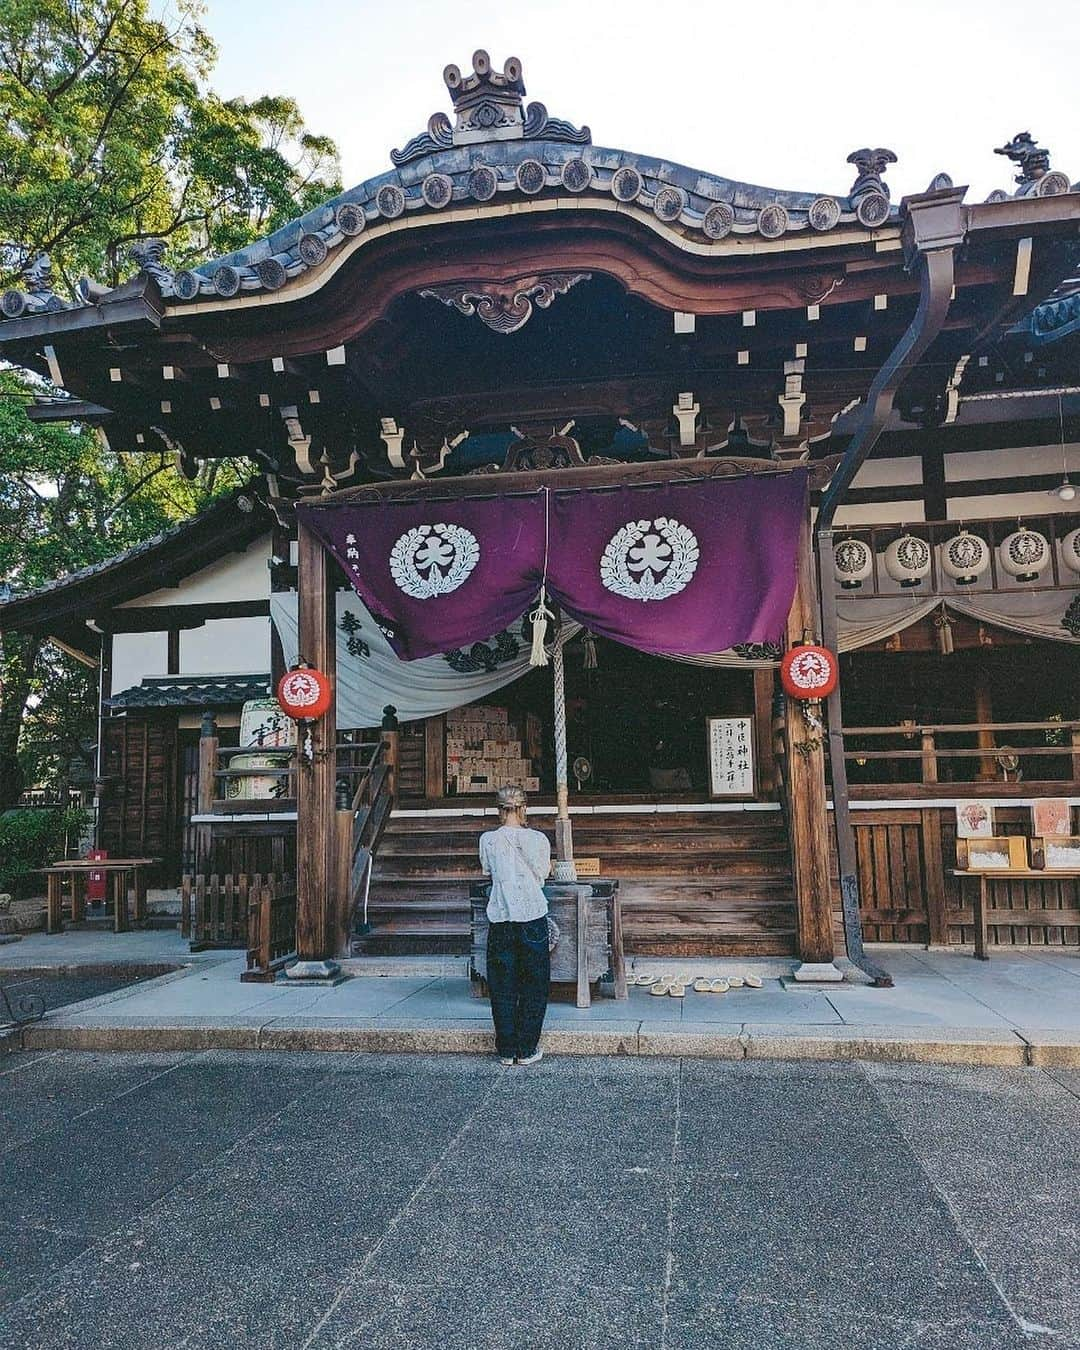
column 191, row 691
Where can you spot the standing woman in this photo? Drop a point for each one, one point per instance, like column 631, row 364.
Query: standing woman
column 518, row 861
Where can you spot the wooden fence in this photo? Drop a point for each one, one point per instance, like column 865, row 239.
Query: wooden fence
column 214, row 908
column 271, row 932
column 905, row 857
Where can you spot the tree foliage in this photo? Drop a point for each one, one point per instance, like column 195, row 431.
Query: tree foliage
column 109, row 133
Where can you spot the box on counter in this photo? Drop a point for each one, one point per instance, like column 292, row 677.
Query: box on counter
column 997, row 853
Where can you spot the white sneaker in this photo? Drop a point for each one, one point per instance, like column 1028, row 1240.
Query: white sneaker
column 534, row 1058
column 507, row 1063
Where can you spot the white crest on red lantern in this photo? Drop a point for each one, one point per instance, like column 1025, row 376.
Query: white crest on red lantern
column 650, row 559
column 810, row 671
column 300, row 689
column 431, row 560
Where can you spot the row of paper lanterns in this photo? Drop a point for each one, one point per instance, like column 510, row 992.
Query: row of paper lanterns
column 1024, row 554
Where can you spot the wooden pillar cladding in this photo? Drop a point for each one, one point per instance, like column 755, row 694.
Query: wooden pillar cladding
column 207, row 789
column 316, row 833
column 809, row 825
column 984, row 714
column 435, row 757
column 764, row 684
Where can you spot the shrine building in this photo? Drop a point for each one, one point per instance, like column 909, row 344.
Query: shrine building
column 555, row 451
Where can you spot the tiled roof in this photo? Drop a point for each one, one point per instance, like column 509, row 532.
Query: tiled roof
column 191, row 691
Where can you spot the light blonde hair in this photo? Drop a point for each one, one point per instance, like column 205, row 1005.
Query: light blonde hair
column 511, row 799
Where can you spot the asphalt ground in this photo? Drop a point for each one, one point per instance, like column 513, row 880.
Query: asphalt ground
column 58, row 989
column 316, row 1200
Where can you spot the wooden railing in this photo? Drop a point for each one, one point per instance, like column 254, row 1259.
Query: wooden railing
column 993, row 754
column 214, row 908
column 370, row 806
column 271, row 932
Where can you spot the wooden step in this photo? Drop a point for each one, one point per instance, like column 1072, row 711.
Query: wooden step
column 641, row 824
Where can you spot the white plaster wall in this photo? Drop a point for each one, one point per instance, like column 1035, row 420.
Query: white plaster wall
column 239, row 576
column 968, row 465
column 1006, row 504
column 880, row 513
column 226, row 647
column 135, row 655
column 896, row 472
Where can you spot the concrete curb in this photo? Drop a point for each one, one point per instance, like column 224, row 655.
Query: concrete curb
column 912, row 1045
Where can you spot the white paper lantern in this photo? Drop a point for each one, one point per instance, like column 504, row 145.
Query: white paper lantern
column 1070, row 550
column 907, row 560
column 1024, row 554
column 965, row 557
column 852, row 563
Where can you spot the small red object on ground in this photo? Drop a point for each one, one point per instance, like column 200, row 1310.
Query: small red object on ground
column 95, row 880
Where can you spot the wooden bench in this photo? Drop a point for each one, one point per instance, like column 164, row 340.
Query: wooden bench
column 985, row 915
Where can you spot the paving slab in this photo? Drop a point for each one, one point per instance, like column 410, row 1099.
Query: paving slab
column 311, row 1200
column 1003, row 1149
column 940, row 1045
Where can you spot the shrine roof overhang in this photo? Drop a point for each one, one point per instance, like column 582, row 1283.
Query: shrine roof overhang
column 402, row 306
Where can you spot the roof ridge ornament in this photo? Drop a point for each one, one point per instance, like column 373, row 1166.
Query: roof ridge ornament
column 37, row 295
column 488, row 106
column 870, row 193
column 1034, row 176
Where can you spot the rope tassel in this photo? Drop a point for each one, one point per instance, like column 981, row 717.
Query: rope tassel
column 539, row 619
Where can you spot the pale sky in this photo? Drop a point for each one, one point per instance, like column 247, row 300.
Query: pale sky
column 766, row 91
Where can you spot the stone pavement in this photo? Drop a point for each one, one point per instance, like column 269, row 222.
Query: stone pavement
column 945, row 1007
column 309, row 1201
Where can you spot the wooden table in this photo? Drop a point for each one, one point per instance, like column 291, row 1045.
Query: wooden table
column 76, row 870
column 983, row 913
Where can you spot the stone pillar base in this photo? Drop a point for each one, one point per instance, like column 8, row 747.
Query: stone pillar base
column 817, row 972
column 314, row 972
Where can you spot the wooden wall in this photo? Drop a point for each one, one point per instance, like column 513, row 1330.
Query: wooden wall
column 140, row 813
column 907, row 894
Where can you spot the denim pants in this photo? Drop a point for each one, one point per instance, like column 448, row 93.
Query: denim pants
column 518, row 975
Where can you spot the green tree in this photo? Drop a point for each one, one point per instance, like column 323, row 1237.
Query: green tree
column 109, row 133
column 67, row 502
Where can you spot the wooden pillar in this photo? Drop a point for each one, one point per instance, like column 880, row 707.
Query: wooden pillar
column 391, row 739
column 435, row 757
column 984, row 738
column 206, row 791
column 316, row 805
column 807, row 815
column 1074, row 737
column 764, row 684
column 929, row 757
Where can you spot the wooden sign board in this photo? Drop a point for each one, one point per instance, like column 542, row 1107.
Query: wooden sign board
column 975, row 820
column 587, row 867
column 1050, row 816
column 730, row 746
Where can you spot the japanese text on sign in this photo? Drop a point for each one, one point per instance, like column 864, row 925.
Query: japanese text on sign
column 731, row 756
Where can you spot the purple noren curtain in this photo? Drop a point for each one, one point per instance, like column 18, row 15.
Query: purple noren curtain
column 691, row 566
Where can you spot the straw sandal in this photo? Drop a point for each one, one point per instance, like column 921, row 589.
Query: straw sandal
column 719, row 986
column 677, row 991
column 753, row 981
column 660, row 987
column 702, row 985
column 646, row 980
column 735, row 981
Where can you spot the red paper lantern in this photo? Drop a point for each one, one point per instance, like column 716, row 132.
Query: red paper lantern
column 304, row 693
column 809, row 672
